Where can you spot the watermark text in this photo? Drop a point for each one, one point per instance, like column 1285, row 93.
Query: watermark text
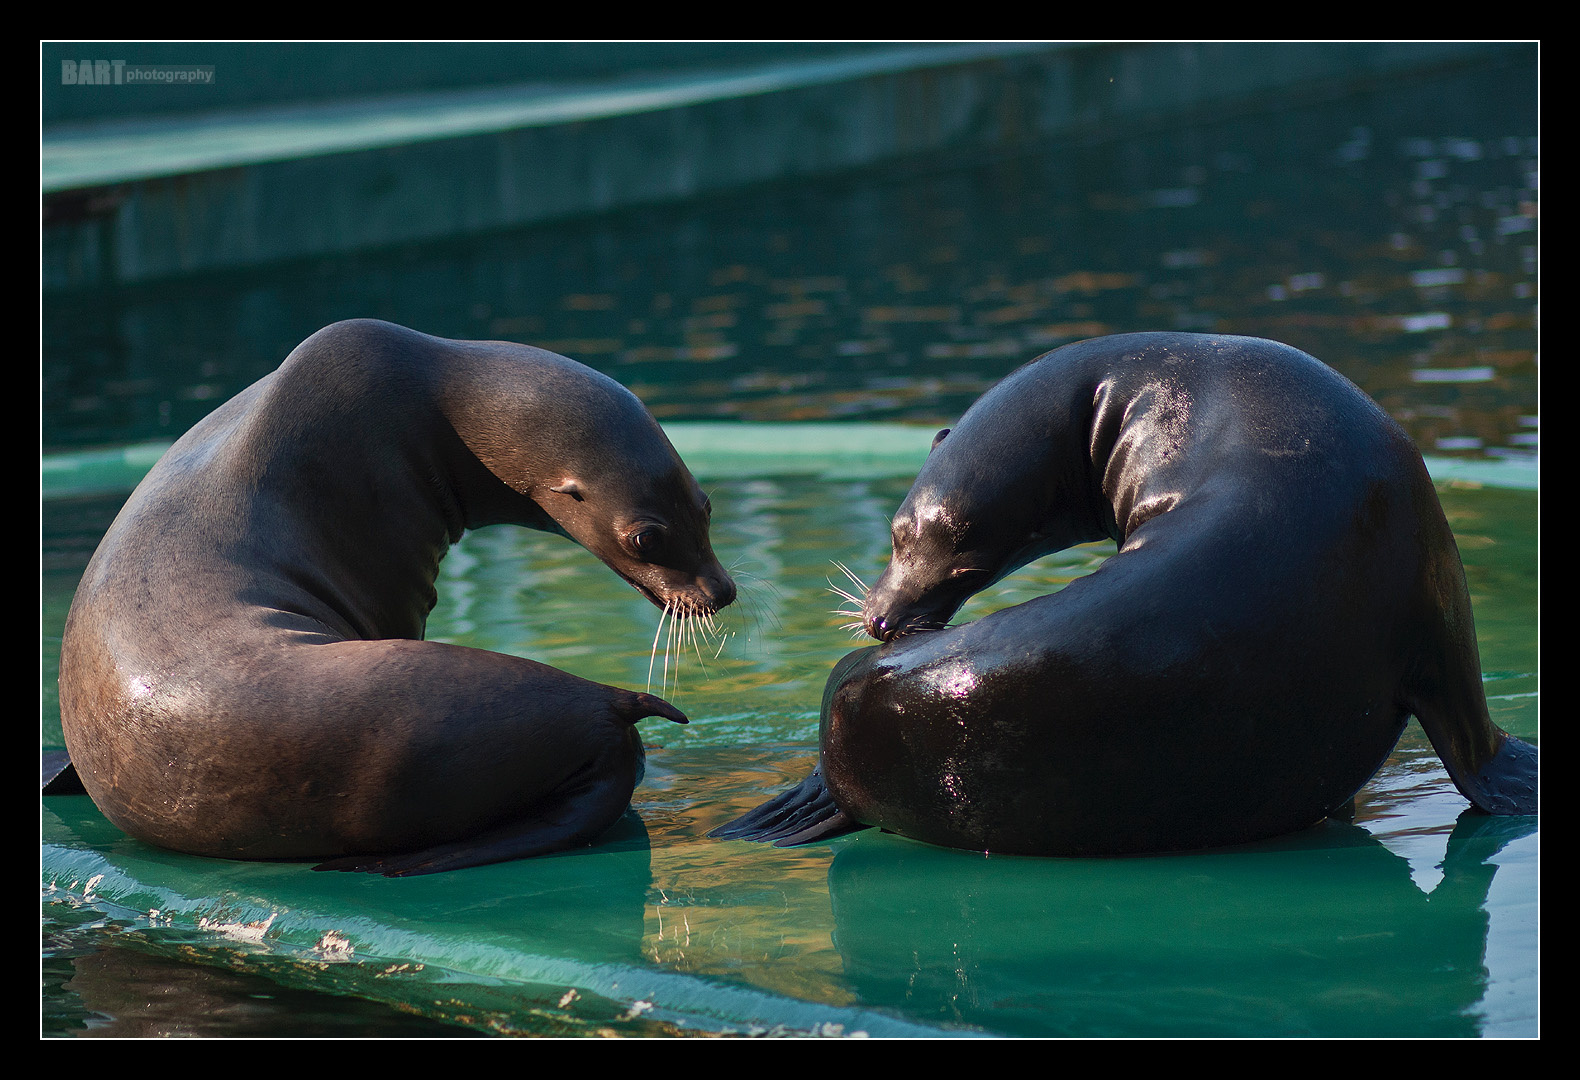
column 120, row 73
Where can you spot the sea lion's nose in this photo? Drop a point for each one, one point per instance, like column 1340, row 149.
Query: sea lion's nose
column 718, row 587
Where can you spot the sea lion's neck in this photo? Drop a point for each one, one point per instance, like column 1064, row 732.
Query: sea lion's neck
column 1022, row 459
column 533, row 422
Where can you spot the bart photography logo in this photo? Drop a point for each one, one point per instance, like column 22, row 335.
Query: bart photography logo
column 120, row 73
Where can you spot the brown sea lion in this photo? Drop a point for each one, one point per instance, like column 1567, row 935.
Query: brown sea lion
column 243, row 673
column 1286, row 594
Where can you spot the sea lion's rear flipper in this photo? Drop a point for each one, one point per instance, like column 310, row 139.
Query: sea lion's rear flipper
column 575, row 815
column 562, row 825
column 58, row 776
column 1494, row 770
column 1445, row 693
column 798, row 816
column 1504, row 784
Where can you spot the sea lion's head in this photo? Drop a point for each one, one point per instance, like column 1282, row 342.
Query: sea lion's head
column 956, row 533
column 987, row 501
column 596, row 466
column 648, row 525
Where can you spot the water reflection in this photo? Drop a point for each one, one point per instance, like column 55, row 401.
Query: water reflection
column 1320, row 934
column 112, row 990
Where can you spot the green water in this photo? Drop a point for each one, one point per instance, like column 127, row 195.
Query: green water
column 1417, row 919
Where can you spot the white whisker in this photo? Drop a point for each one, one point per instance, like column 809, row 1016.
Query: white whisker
column 837, row 591
column 653, row 656
column 857, row 602
column 848, row 572
column 684, row 628
column 698, row 627
column 669, row 647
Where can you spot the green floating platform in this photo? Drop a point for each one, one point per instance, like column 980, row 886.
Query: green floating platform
column 723, row 451
column 553, row 945
column 1335, row 932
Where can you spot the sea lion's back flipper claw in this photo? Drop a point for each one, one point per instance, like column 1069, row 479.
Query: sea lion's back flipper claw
column 804, row 813
column 57, row 776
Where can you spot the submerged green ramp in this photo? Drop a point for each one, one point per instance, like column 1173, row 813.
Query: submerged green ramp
column 544, row 945
column 1338, row 931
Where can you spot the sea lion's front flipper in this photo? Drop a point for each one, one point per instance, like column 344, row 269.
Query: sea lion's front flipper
column 57, row 776
column 804, row 813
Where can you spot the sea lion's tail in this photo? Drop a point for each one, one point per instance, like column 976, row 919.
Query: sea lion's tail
column 798, row 816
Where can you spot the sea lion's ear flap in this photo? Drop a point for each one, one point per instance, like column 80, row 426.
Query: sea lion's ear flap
column 937, row 439
column 569, row 487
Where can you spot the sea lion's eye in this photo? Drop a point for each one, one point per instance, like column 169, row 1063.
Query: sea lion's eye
column 645, row 540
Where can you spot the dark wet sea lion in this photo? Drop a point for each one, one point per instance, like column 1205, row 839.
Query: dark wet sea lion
column 243, row 674
column 1286, row 594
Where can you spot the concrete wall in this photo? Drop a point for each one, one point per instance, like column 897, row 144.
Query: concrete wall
column 139, row 200
column 251, row 75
